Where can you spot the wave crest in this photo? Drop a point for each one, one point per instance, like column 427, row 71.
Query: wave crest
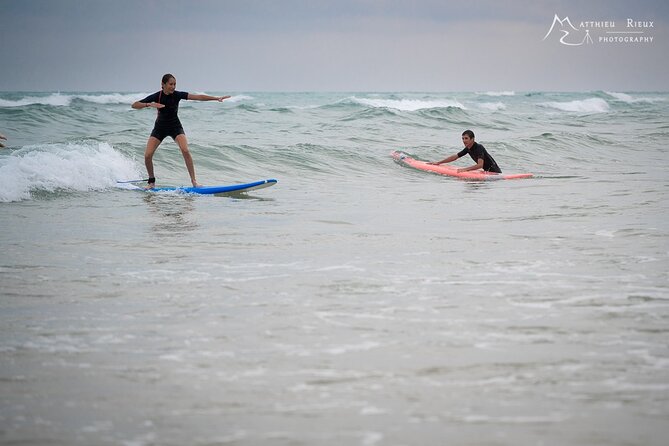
column 497, row 93
column 407, row 104
column 65, row 100
column 492, row 106
column 629, row 99
column 592, row 105
column 80, row 166
column 55, row 99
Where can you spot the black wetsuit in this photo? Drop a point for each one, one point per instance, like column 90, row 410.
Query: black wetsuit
column 167, row 122
column 477, row 152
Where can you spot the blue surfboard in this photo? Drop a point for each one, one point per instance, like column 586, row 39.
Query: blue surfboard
column 211, row 190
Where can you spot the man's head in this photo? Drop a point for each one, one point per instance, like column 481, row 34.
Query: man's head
column 468, row 138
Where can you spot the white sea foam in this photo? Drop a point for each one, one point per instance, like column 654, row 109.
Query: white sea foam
column 492, row 106
column 111, row 98
column 239, row 98
column 498, row 93
column 592, row 105
column 64, row 100
column 129, row 98
column 89, row 165
column 522, row 419
column 624, row 97
column 408, row 104
column 55, row 99
column 363, row 346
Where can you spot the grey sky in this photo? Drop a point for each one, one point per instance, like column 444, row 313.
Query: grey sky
column 338, row 45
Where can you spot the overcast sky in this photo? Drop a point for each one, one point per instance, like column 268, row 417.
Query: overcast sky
column 338, row 45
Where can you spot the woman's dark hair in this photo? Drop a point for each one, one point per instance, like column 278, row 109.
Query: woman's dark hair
column 167, row 78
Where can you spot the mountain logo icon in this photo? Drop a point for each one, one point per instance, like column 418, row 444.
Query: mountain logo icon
column 570, row 34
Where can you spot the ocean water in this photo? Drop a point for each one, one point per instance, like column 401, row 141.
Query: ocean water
column 357, row 302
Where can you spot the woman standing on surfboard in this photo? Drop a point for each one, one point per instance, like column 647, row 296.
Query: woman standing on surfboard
column 167, row 123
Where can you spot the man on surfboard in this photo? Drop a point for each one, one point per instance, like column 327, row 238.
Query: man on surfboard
column 478, row 153
column 168, row 124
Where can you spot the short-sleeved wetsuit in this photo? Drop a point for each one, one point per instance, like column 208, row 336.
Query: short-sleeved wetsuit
column 477, row 152
column 167, row 122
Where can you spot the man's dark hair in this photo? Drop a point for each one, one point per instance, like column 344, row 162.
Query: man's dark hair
column 468, row 133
